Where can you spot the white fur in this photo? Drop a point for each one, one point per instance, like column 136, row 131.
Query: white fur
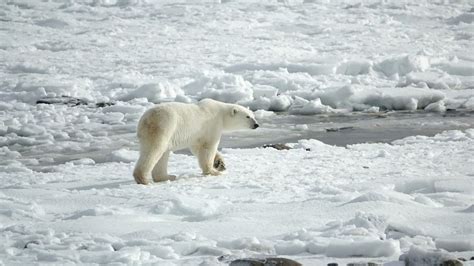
column 174, row 126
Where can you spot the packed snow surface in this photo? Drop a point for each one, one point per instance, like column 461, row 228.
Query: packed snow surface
column 67, row 194
column 314, row 202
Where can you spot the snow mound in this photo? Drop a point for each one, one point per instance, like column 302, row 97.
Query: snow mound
column 293, row 247
column 438, row 106
column 247, row 243
column 124, row 109
column 434, row 80
column 354, row 67
column 369, row 248
column 362, row 236
column 467, row 18
column 281, row 103
column 309, row 68
column 52, row 23
column 445, row 136
column 123, row 155
column 460, row 68
column 28, row 67
column 402, row 65
column 37, row 88
column 155, row 92
column 450, row 244
column 420, row 256
column 192, row 210
column 469, row 209
column 400, row 99
column 228, row 88
column 301, row 106
column 99, row 211
column 385, row 196
column 310, row 144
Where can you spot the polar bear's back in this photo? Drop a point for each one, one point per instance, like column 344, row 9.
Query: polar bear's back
column 180, row 123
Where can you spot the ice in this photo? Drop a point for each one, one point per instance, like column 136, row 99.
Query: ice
column 193, row 218
column 222, row 87
column 75, row 77
column 461, row 68
column 403, row 99
column 28, row 68
column 436, row 107
column 123, row 155
column 354, row 67
column 402, row 65
column 52, row 23
column 290, row 247
column 439, row 81
column 467, row 18
column 374, row 248
column 419, row 256
column 304, row 107
column 455, row 244
column 125, row 109
column 282, row 103
column 154, row 92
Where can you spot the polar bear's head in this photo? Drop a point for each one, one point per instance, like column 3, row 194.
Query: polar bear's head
column 240, row 118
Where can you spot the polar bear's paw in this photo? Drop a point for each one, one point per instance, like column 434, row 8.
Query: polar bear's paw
column 140, row 178
column 212, row 172
column 164, row 178
column 219, row 164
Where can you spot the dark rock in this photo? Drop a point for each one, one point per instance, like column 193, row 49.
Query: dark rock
column 278, row 146
column 332, row 264
column 70, row 101
column 104, row 104
column 66, row 100
column 336, row 129
column 33, row 242
column 452, row 263
column 363, row 264
column 265, row 262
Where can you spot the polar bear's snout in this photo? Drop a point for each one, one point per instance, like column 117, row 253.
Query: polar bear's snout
column 255, row 125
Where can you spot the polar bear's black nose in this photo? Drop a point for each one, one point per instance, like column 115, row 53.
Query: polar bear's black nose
column 255, row 126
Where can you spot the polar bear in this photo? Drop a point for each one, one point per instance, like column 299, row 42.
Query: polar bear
column 173, row 126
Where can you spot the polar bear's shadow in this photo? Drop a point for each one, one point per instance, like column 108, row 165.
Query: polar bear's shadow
column 104, row 185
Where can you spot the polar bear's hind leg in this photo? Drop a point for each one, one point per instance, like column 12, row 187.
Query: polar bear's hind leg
column 160, row 171
column 152, row 147
column 149, row 157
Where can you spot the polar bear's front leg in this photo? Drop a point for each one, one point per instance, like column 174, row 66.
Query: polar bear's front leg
column 160, row 171
column 206, row 155
column 219, row 164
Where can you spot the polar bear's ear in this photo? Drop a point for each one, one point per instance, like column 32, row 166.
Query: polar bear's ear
column 234, row 111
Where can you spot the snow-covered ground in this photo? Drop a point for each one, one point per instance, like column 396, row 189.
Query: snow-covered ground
column 67, row 194
column 315, row 203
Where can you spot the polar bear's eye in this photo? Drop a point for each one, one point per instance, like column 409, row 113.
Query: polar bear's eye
column 248, row 116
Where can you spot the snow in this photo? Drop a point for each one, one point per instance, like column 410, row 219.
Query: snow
column 77, row 75
column 370, row 208
column 379, row 45
column 455, row 244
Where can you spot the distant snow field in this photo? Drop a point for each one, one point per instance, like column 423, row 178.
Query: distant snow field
column 76, row 75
